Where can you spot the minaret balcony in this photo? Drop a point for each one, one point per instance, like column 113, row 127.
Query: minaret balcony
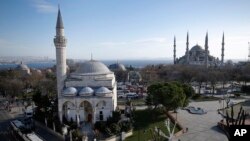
column 60, row 41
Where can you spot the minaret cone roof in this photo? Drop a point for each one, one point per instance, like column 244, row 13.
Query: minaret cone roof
column 59, row 23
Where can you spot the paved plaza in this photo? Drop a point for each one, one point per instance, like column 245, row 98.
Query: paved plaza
column 202, row 127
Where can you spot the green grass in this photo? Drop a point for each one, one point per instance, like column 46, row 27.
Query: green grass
column 145, row 122
column 136, row 102
column 204, row 98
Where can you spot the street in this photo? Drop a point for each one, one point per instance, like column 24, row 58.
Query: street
column 5, row 118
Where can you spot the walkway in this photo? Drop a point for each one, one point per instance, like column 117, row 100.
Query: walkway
column 202, row 127
column 87, row 129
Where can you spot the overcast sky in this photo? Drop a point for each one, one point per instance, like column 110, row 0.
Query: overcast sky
column 124, row 29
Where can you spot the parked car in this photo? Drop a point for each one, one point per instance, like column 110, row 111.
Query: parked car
column 132, row 96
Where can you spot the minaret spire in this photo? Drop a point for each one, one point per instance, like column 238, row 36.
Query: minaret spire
column 187, row 49
column 59, row 23
column 222, row 50
column 174, row 50
column 206, row 50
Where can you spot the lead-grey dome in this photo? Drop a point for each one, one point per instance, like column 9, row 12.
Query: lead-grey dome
column 86, row 91
column 196, row 48
column 70, row 91
column 22, row 67
column 102, row 91
column 117, row 66
column 92, row 67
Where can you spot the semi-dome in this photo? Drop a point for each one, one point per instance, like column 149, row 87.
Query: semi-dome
column 102, row 91
column 70, row 91
column 196, row 48
column 117, row 66
column 86, row 91
column 92, row 67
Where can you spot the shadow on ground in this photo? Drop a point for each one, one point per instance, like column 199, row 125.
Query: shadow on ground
column 216, row 128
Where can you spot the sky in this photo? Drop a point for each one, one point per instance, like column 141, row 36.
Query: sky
column 124, row 29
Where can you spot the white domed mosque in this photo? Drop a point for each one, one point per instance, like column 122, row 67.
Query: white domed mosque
column 90, row 93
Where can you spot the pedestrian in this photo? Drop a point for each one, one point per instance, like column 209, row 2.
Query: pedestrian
column 186, row 129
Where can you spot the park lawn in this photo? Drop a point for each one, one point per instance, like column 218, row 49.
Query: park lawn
column 205, row 98
column 136, row 102
column 145, row 122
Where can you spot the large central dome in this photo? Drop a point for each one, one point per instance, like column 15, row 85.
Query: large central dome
column 92, row 67
column 196, row 48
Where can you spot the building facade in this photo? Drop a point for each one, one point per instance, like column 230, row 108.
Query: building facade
column 87, row 95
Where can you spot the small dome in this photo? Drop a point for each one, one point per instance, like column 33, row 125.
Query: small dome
column 70, row 91
column 39, row 71
column 92, row 67
column 49, row 71
column 102, row 91
column 196, row 48
column 117, row 66
column 22, row 67
column 86, row 91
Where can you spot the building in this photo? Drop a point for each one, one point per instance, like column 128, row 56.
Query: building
column 117, row 67
column 199, row 56
column 88, row 94
column 23, row 69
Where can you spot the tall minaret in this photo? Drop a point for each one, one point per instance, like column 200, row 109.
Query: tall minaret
column 60, row 44
column 174, row 51
column 187, row 49
column 222, row 50
column 206, row 50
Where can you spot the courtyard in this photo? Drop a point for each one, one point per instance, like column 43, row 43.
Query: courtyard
column 202, row 127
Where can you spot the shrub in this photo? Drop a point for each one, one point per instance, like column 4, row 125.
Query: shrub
column 108, row 131
column 196, row 96
column 237, row 95
column 76, row 135
column 100, row 126
column 125, row 126
column 115, row 128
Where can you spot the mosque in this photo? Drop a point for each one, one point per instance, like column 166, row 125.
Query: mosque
column 199, row 56
column 23, row 69
column 87, row 95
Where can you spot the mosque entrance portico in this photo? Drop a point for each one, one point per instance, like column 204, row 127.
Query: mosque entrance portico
column 86, row 111
column 68, row 110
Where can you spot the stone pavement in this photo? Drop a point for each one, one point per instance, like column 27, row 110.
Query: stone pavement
column 202, row 127
column 87, row 129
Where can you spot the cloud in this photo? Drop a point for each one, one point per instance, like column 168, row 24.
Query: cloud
column 43, row 6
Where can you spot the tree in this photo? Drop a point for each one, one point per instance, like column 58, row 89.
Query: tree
column 213, row 79
column 171, row 95
column 153, row 98
column 200, row 78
